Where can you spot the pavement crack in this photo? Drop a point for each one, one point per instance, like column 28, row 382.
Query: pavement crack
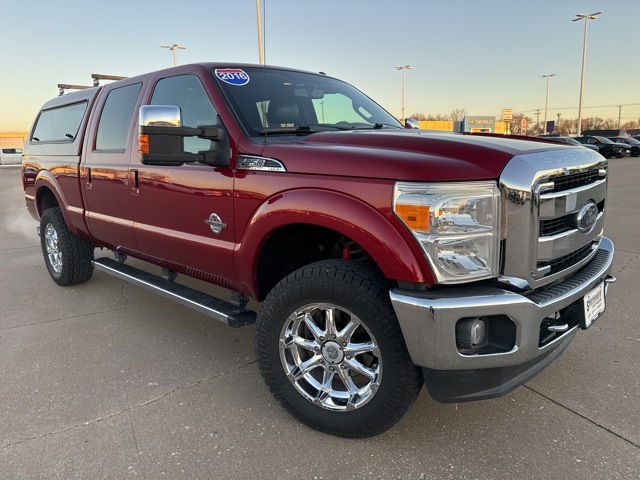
column 593, row 422
column 73, row 317
column 13, row 219
column 628, row 262
column 95, row 421
column 124, row 295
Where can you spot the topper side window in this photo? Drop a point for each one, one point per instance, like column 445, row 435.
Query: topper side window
column 59, row 125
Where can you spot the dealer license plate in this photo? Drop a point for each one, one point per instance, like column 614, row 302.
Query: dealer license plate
column 593, row 305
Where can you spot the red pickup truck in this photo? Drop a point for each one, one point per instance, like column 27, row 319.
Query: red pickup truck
column 384, row 257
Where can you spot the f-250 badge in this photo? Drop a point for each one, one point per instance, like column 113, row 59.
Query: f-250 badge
column 215, row 222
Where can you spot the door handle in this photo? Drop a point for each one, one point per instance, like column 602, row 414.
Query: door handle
column 133, row 182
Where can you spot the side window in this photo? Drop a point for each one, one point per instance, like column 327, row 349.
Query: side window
column 187, row 92
column 115, row 121
column 59, row 124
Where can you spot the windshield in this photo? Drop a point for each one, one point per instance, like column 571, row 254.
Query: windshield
column 270, row 101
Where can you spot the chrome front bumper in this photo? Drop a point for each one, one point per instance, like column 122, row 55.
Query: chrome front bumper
column 428, row 321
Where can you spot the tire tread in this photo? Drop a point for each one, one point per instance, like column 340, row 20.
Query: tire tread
column 77, row 253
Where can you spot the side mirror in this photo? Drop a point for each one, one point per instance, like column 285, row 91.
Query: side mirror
column 411, row 123
column 161, row 138
column 160, row 116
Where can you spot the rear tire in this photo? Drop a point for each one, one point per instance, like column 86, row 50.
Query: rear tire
column 331, row 351
column 68, row 258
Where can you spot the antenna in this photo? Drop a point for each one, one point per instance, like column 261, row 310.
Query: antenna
column 264, row 68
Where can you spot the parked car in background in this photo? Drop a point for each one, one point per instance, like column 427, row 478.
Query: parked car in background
column 607, row 147
column 10, row 156
column 606, row 133
column 569, row 140
column 634, row 144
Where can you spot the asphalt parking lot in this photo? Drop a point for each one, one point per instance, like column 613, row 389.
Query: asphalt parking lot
column 105, row 380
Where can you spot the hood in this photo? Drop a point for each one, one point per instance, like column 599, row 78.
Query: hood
column 404, row 154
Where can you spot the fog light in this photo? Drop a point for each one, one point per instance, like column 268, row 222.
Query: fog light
column 471, row 333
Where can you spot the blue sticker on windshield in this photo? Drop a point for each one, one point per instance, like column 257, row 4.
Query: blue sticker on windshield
column 232, row 76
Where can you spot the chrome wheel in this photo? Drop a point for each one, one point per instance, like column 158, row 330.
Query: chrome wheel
column 68, row 258
column 330, row 357
column 53, row 248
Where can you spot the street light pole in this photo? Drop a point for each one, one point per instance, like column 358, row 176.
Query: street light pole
column 173, row 49
column 586, row 18
column 546, row 103
column 404, row 68
column 260, row 39
column 619, row 115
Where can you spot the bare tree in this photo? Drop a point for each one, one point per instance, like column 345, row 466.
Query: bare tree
column 421, row 117
column 632, row 124
column 438, row 117
column 597, row 123
column 516, row 125
column 457, row 114
column 566, row 126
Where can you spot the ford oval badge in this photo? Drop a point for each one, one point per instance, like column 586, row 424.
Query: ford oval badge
column 587, row 217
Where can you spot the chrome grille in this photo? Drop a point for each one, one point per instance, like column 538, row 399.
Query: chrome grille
column 567, row 182
column 567, row 261
column 555, row 226
column 543, row 195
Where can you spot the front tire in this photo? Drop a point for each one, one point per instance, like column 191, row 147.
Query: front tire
column 331, row 351
column 68, row 258
column 607, row 153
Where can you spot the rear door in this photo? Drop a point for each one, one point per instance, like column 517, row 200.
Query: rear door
column 104, row 175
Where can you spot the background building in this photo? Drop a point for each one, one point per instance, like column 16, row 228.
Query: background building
column 485, row 124
column 13, row 139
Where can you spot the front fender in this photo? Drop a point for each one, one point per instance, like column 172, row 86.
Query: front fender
column 398, row 258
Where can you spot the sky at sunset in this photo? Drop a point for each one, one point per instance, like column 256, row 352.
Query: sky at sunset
column 478, row 56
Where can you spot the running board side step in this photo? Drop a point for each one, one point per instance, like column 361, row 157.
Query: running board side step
column 226, row 312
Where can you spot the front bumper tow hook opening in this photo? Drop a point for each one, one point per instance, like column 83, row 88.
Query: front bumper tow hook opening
column 607, row 281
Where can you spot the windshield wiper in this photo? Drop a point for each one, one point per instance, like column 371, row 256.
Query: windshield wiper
column 300, row 129
column 322, row 127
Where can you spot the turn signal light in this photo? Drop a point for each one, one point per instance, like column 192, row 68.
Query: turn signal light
column 143, row 143
column 414, row 215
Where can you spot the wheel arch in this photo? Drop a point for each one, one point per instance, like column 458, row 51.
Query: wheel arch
column 48, row 194
column 332, row 215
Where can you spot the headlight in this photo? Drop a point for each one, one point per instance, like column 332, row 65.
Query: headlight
column 457, row 225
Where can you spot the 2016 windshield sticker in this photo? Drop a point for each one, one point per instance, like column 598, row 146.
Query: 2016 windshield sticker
column 232, row 76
